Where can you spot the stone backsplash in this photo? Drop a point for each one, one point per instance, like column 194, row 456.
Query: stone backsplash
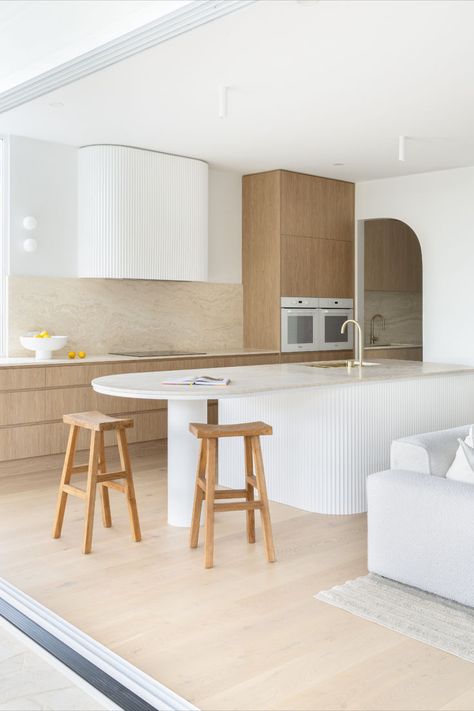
column 104, row 315
column 403, row 313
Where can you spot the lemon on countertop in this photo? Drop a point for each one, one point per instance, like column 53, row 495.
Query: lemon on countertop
column 71, row 354
column 81, row 354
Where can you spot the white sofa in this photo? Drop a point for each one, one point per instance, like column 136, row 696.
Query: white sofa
column 420, row 524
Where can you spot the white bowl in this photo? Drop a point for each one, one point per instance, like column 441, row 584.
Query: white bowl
column 43, row 347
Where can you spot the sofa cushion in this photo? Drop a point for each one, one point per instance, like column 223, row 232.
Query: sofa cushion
column 429, row 453
column 461, row 468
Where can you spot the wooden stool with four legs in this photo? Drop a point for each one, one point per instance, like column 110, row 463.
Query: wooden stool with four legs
column 97, row 473
column 206, row 485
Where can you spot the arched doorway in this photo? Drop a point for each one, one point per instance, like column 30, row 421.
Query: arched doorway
column 392, row 281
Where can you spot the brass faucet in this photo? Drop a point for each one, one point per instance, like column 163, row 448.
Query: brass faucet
column 373, row 337
column 361, row 345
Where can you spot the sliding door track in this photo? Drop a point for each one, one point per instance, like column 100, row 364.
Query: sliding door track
column 115, row 678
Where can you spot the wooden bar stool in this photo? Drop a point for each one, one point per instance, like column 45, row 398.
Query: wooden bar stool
column 97, row 473
column 206, row 485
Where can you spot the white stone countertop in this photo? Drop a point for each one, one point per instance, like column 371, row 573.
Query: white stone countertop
column 259, row 379
column 108, row 358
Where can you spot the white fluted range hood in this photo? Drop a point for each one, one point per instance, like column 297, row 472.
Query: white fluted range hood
column 142, row 214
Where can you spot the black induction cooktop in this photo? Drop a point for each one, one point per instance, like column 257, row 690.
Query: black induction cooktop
column 156, row 354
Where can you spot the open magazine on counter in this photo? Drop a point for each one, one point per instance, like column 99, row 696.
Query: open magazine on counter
column 206, row 380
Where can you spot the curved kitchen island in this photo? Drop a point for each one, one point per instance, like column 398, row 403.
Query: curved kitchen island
column 332, row 425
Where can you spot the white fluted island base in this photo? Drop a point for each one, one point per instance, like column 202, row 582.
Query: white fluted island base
column 327, row 440
column 183, row 450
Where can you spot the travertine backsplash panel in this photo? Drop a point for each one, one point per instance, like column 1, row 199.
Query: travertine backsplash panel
column 403, row 316
column 100, row 315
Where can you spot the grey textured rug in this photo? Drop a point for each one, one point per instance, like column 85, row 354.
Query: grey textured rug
column 425, row 617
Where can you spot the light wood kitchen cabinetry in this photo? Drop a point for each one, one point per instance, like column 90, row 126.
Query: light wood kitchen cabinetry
column 22, row 378
column 33, row 400
column 316, row 267
column 392, row 257
column 261, row 259
column 298, row 240
column 316, row 207
column 313, row 357
column 300, row 259
column 394, row 353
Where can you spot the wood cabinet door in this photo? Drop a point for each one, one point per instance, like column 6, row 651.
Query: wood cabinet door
column 316, row 267
column 299, row 266
column 336, row 268
column 336, row 220
column 392, row 257
column 296, row 204
column 316, row 207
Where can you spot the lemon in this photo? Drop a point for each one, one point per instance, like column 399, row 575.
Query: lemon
column 45, row 334
column 71, row 354
column 81, row 354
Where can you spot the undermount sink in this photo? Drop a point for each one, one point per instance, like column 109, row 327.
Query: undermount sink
column 340, row 364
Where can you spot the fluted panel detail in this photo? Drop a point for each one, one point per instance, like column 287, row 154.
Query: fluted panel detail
column 327, row 441
column 142, row 215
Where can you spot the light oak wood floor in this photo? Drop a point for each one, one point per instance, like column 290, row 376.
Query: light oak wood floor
column 243, row 635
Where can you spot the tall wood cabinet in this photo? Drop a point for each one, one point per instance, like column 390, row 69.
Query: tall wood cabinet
column 392, row 257
column 298, row 240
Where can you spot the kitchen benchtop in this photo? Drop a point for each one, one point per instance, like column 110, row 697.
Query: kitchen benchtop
column 107, row 358
column 263, row 379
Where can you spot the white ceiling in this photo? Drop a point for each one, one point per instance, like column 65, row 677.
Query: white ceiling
column 36, row 35
column 310, row 85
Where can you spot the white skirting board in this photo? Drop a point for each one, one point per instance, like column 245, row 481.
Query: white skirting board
column 327, row 440
column 156, row 694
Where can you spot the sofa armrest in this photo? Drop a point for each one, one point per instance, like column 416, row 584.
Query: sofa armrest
column 430, row 453
column 420, row 532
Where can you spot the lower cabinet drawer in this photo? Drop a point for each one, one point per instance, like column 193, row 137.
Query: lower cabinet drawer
column 36, row 406
column 38, row 440
column 59, row 401
column 21, row 407
column 22, row 378
column 394, row 353
column 313, row 356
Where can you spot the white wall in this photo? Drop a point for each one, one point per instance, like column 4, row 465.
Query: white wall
column 43, row 183
column 225, row 226
column 439, row 207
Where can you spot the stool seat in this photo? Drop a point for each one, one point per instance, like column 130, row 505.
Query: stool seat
column 97, row 474
column 244, row 429
column 254, row 481
column 97, row 421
